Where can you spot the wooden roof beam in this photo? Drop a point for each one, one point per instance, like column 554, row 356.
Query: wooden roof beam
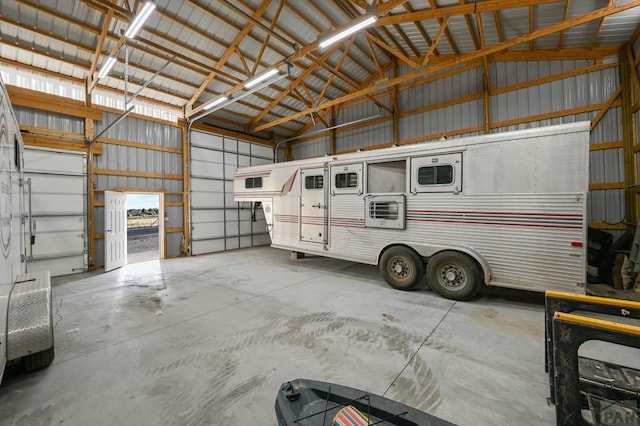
column 443, row 27
column 411, row 62
column 227, row 54
column 447, row 33
column 101, row 39
column 552, row 29
column 457, row 10
column 472, row 32
column 421, row 29
column 498, row 24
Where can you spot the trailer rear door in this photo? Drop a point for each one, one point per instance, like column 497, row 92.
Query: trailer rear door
column 313, row 206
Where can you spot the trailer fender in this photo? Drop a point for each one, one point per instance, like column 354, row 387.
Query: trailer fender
column 428, row 250
column 29, row 322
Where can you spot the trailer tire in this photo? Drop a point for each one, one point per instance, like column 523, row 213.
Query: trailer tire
column 402, row 268
column 454, row 275
column 38, row 360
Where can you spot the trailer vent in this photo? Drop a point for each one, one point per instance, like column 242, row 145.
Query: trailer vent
column 383, row 210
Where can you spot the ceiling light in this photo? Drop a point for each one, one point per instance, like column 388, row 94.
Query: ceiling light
column 106, row 68
column 139, row 20
column 260, row 78
column 214, row 102
column 344, row 33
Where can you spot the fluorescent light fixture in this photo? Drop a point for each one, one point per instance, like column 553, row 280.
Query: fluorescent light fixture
column 139, row 20
column 215, row 102
column 254, row 81
column 344, row 33
column 106, row 68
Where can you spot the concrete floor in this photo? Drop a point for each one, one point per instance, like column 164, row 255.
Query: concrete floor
column 209, row 340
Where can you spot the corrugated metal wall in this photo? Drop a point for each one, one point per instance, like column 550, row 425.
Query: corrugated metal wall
column 133, row 159
column 48, row 120
column 456, row 103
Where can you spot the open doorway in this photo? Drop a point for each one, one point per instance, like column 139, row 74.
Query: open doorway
column 144, row 227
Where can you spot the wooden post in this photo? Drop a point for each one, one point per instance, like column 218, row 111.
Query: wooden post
column 628, row 139
column 396, row 108
column 186, row 200
column 88, row 135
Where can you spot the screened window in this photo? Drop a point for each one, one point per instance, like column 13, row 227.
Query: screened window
column 313, row 182
column 435, row 175
column 253, row 182
column 346, row 180
column 383, row 210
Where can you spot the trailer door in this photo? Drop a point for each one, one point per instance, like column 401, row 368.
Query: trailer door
column 313, row 206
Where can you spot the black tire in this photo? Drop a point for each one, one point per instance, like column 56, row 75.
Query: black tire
column 454, row 275
column 402, row 268
column 38, row 360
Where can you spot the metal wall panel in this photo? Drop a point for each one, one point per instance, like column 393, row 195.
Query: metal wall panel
column 313, row 148
column 48, row 120
column 124, row 158
column 218, row 223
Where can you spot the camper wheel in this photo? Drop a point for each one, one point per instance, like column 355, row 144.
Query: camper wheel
column 402, row 268
column 453, row 275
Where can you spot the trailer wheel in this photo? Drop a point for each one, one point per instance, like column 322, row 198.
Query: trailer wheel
column 38, row 360
column 402, row 268
column 453, row 275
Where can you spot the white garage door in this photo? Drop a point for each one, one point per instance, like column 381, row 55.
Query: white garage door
column 58, row 200
column 217, row 222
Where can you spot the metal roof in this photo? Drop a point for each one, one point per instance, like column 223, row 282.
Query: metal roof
column 213, row 46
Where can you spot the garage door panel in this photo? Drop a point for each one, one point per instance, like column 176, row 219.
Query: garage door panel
column 60, row 266
column 207, row 155
column 206, row 185
column 207, row 246
column 260, row 161
column 217, row 221
column 42, row 204
column 264, row 151
column 208, row 170
column 49, row 243
column 55, row 184
column 208, row 230
column 206, row 140
column 201, row 200
column 58, row 204
column 203, row 216
column 53, row 162
column 261, row 240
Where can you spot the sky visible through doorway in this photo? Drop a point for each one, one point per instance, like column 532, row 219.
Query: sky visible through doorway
column 142, row 201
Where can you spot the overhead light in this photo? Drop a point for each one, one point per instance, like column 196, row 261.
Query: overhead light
column 261, row 77
column 106, row 68
column 215, row 102
column 345, row 33
column 139, row 20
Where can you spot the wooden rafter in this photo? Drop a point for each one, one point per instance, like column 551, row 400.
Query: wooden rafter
column 101, row 39
column 265, row 43
column 338, row 65
column 447, row 33
column 411, row 62
column 441, row 31
column 227, row 54
column 498, row 24
column 457, row 10
column 565, row 13
column 375, row 58
column 543, row 32
column 485, row 61
column 421, row 29
column 474, row 37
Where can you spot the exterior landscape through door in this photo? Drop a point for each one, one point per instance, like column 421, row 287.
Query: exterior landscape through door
column 313, row 206
column 115, row 232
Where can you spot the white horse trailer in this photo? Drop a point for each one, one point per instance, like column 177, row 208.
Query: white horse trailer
column 26, row 327
column 506, row 209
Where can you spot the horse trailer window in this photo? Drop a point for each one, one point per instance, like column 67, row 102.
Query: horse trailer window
column 253, row 182
column 435, row 175
column 383, row 210
column 346, row 180
column 313, row 182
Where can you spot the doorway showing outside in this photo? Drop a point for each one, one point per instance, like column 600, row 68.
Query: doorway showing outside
column 143, row 227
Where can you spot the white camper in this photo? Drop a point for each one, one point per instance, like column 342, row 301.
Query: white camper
column 26, row 327
column 506, row 209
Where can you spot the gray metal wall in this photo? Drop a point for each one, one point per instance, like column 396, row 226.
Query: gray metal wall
column 116, row 157
column 48, row 120
column 606, row 166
